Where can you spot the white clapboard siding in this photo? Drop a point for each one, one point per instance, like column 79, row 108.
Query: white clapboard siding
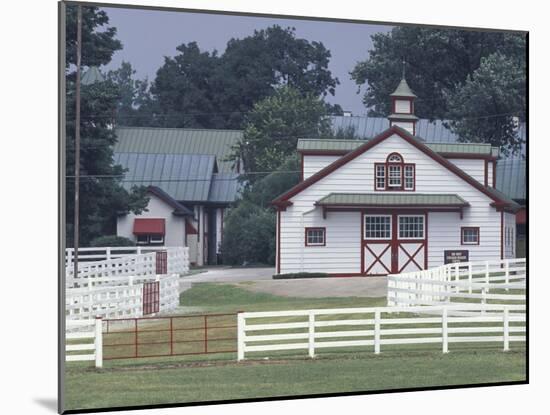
column 342, row 251
column 256, row 334
column 474, row 167
column 312, row 164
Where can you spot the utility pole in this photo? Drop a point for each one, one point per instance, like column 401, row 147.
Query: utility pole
column 77, row 141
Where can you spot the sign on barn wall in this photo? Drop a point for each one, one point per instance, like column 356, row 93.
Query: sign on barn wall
column 456, row 256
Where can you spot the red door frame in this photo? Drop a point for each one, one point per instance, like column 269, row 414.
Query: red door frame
column 394, row 242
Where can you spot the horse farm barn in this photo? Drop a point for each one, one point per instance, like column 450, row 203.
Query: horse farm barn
column 190, row 183
column 393, row 203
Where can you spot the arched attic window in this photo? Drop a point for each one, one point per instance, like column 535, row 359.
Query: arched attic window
column 394, row 174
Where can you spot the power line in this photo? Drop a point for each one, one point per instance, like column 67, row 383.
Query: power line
column 122, row 176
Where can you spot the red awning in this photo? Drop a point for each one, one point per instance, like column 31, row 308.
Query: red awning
column 149, row 226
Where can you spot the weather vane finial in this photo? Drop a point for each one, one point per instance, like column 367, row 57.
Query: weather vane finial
column 403, row 69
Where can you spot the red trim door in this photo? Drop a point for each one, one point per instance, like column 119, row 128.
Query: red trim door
column 394, row 243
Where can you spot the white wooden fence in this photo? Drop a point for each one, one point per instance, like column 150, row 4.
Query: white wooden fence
column 119, row 297
column 113, row 288
column 467, row 281
column 85, row 337
column 104, row 253
column 136, row 264
column 376, row 327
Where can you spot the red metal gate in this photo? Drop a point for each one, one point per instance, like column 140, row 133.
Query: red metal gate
column 151, row 297
column 161, row 261
column 169, row 336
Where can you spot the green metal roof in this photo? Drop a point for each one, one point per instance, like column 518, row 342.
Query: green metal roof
column 383, row 199
column 224, row 188
column 319, row 144
column 184, row 177
column 511, row 178
column 403, row 90
column 179, row 141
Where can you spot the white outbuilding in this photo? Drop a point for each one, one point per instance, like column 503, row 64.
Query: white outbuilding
column 392, row 204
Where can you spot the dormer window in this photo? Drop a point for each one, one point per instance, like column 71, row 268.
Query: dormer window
column 394, row 174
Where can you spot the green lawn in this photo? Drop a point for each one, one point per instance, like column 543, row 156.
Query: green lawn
column 117, row 387
column 219, row 377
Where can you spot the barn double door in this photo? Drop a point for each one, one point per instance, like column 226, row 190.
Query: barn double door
column 394, row 243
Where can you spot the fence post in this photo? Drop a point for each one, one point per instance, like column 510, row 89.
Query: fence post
column 98, row 342
column 444, row 330
column 483, row 299
column 108, row 253
column 377, row 332
column 507, row 273
column 486, row 272
column 506, row 329
column 240, row 336
column 311, row 337
column 469, row 278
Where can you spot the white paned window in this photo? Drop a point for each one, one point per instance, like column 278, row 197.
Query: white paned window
column 380, row 176
column 315, row 236
column 394, row 176
column 470, row 236
column 411, row 227
column 394, row 158
column 409, row 177
column 377, row 227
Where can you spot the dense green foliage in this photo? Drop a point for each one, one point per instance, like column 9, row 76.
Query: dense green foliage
column 101, row 198
column 274, row 125
column 202, row 89
column 457, row 74
column 249, row 235
column 497, row 87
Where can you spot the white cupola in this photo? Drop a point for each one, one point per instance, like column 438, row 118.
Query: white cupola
column 402, row 107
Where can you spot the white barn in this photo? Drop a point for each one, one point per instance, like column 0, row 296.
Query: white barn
column 392, row 204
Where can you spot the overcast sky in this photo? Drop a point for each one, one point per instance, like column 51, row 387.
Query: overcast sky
column 147, row 36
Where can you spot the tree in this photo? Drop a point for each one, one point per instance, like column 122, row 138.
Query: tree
column 497, row 88
column 197, row 88
column 249, row 235
column 437, row 62
column 133, row 105
column 185, row 89
column 272, row 129
column 469, row 77
column 101, row 194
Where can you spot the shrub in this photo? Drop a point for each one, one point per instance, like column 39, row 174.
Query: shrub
column 111, row 240
column 249, row 235
column 300, row 275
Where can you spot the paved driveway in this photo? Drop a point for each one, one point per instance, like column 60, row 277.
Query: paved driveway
column 227, row 275
column 259, row 280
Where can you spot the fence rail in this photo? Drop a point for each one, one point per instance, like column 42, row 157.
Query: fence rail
column 312, row 330
column 84, row 341
column 110, row 252
column 136, row 264
column 121, row 297
column 469, row 281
